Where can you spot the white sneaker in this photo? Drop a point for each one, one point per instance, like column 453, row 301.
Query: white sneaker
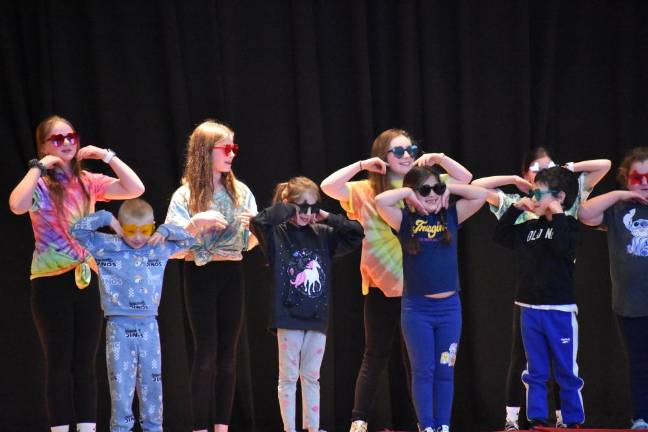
column 511, row 426
column 358, row 426
column 639, row 424
column 444, row 428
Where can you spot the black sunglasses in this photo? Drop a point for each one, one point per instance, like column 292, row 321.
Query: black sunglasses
column 304, row 207
column 399, row 151
column 438, row 189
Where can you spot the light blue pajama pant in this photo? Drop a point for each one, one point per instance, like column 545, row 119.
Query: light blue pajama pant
column 133, row 359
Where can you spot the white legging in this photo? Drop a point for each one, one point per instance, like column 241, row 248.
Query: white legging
column 300, row 356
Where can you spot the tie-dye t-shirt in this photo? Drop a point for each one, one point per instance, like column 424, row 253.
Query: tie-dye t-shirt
column 381, row 262
column 214, row 244
column 507, row 200
column 55, row 250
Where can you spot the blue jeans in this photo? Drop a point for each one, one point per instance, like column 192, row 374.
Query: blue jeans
column 431, row 329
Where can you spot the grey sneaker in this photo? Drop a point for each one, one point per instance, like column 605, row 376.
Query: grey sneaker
column 639, row 424
column 358, row 426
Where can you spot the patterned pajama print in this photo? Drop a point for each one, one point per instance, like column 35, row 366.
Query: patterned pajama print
column 300, row 356
column 133, row 360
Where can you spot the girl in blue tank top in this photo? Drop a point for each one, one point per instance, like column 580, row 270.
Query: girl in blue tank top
column 431, row 310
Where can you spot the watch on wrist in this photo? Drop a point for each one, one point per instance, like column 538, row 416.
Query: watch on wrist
column 35, row 163
column 109, row 155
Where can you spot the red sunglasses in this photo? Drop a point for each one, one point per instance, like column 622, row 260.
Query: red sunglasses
column 635, row 178
column 227, row 148
column 59, row 139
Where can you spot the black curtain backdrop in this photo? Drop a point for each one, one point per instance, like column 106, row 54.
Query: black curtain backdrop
column 307, row 85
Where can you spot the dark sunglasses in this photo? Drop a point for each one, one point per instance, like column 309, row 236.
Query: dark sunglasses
column 438, row 189
column 537, row 194
column 399, row 151
column 304, row 207
column 227, row 148
column 59, row 139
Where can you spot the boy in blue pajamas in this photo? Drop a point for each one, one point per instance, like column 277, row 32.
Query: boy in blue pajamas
column 131, row 269
column 546, row 248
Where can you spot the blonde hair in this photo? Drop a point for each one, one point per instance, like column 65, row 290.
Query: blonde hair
column 198, row 174
column 294, row 189
column 43, row 131
column 135, row 208
column 380, row 148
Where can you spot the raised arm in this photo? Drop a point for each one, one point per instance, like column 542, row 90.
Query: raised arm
column 472, row 199
column 345, row 235
column 20, row 200
column 595, row 169
column 85, row 230
column 127, row 185
column 335, row 184
column 387, row 204
column 591, row 212
column 457, row 172
column 494, row 182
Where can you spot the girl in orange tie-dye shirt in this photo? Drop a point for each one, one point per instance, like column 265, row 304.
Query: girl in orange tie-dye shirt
column 381, row 264
column 65, row 308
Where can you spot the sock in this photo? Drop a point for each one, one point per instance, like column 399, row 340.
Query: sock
column 62, row 428
column 559, row 419
column 512, row 414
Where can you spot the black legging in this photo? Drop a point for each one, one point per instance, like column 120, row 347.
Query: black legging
column 515, row 392
column 382, row 325
column 214, row 298
column 68, row 321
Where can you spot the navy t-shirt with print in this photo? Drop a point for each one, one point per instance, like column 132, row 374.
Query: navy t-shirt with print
column 435, row 268
column 627, row 226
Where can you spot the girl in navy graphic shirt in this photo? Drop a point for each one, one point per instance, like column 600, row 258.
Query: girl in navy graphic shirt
column 431, row 310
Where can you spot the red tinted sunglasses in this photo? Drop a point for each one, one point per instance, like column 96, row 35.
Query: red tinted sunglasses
column 59, row 139
column 227, row 148
column 635, row 178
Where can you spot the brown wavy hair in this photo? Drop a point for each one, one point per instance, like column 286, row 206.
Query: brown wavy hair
column 637, row 154
column 294, row 189
column 380, row 148
column 198, row 174
column 414, row 179
column 43, row 131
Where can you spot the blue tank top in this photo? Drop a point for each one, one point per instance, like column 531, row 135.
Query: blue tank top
column 435, row 268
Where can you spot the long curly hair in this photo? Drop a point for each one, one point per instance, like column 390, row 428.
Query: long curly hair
column 43, row 131
column 380, row 148
column 198, row 174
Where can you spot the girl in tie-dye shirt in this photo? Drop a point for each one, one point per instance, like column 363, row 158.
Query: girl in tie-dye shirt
column 381, row 262
column 65, row 308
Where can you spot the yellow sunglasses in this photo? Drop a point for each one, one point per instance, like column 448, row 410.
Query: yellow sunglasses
column 131, row 229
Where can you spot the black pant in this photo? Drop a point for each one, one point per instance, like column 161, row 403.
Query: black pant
column 515, row 392
column 635, row 339
column 68, row 321
column 382, row 325
column 214, row 298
